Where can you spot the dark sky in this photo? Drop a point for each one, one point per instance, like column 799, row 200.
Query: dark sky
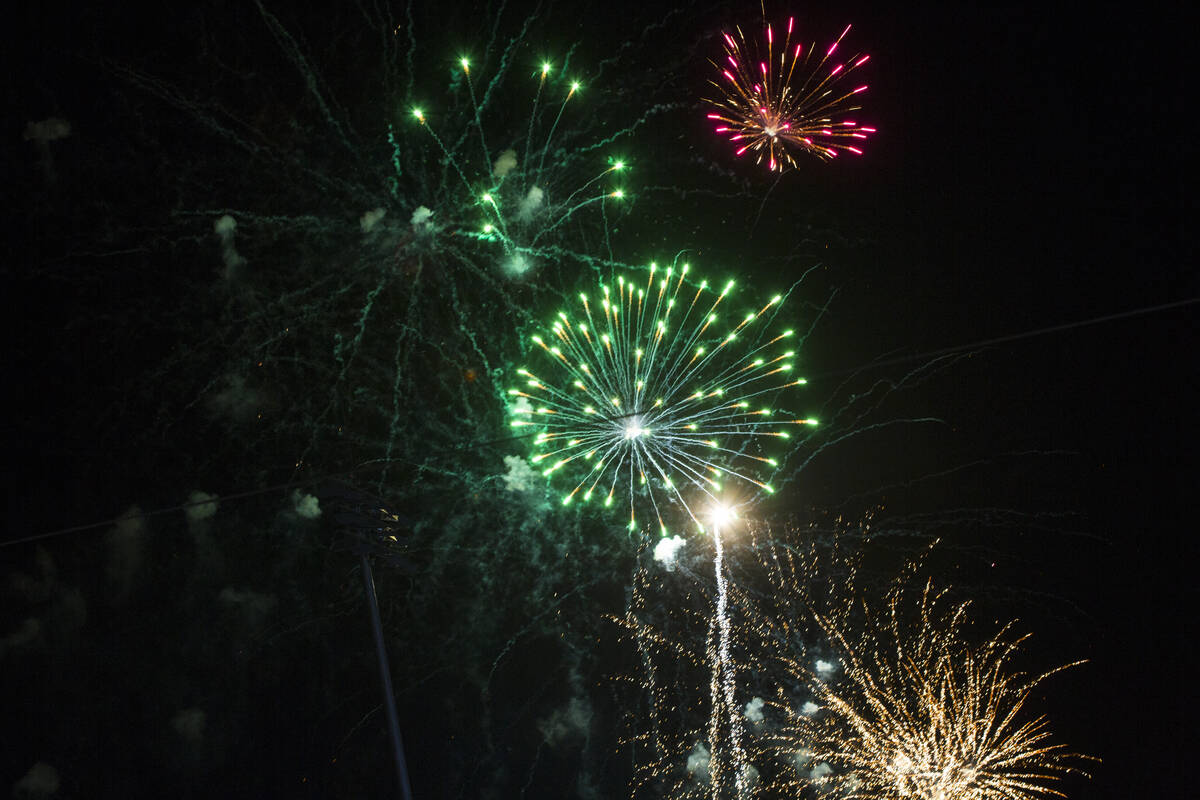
column 1027, row 175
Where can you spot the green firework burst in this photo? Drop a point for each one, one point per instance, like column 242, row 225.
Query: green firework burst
column 656, row 390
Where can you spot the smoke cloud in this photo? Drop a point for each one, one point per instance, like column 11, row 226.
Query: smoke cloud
column 667, row 550
column 521, row 477
column 505, row 164
column 225, row 228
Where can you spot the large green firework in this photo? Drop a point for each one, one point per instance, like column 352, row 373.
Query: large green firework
column 656, row 389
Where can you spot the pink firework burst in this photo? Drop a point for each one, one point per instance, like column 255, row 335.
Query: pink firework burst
column 773, row 102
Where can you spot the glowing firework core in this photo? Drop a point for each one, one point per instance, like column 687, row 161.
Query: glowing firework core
column 720, row 515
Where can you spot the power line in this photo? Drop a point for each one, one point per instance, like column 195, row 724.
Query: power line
column 1012, row 337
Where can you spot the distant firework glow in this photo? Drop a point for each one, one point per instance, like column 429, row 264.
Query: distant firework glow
column 773, row 102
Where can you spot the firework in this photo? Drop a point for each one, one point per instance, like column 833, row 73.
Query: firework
column 922, row 712
column 911, row 703
column 770, row 102
column 654, row 391
column 841, row 692
column 510, row 197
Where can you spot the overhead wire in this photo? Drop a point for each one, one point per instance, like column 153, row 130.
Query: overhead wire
column 377, row 464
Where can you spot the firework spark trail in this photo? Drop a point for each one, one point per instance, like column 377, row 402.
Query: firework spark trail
column 768, row 105
column 724, row 684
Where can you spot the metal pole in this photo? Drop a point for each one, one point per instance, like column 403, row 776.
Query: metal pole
column 385, row 674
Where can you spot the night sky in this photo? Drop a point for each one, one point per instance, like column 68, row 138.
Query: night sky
column 1026, row 176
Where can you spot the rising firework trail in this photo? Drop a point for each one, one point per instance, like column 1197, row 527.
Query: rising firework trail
column 725, row 709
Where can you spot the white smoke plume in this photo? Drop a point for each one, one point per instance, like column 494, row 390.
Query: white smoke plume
column 521, row 477
column 305, row 505
column 571, row 721
column 41, row 781
column 754, row 710
column 516, row 265
column 42, row 134
column 237, row 400
column 522, row 407
column 505, row 164
column 47, row 130
column 531, row 203
column 200, row 505
column 254, row 606
column 697, row 763
column 226, row 228
column 421, row 219
column 667, row 550
column 368, row 220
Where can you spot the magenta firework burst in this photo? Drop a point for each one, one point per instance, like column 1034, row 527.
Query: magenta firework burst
column 775, row 99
